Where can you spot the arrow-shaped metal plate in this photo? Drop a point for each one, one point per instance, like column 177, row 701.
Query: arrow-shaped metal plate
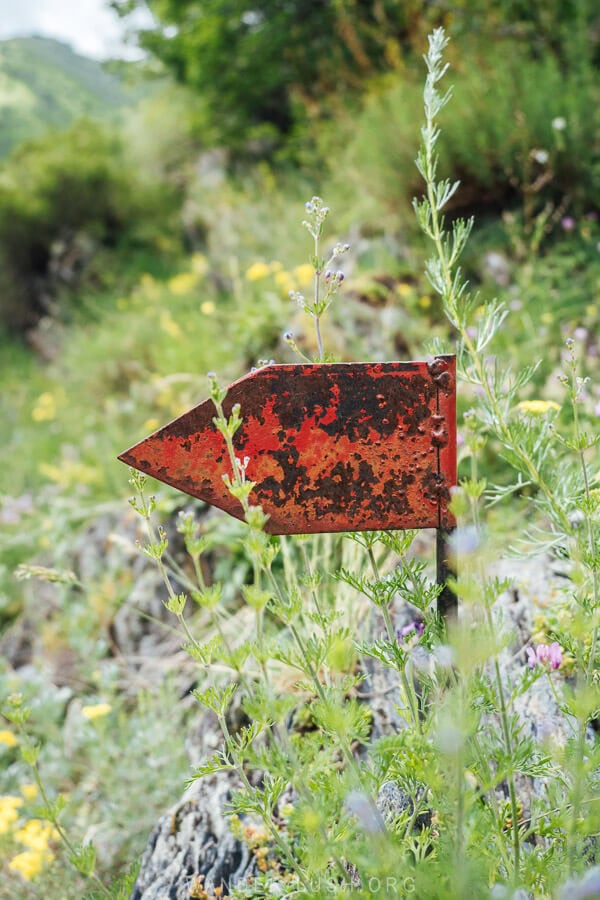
column 331, row 447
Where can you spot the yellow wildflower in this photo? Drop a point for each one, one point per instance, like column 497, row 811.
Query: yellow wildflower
column 30, row 863
column 36, row 834
column 29, row 791
column 183, row 283
column 591, row 310
column 403, row 289
column 199, row 264
column 547, row 318
column 208, row 307
column 304, row 274
column 96, row 710
column 8, row 738
column 284, row 280
column 424, row 301
column 69, row 473
column 8, row 812
column 257, row 271
column 45, row 408
column 537, row 407
column 169, row 325
column 151, row 424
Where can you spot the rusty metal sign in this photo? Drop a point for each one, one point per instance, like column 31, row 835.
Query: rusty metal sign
column 331, row 447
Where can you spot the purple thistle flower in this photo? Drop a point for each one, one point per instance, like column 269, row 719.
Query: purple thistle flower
column 567, row 223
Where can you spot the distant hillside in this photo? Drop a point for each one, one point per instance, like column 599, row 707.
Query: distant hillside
column 44, row 84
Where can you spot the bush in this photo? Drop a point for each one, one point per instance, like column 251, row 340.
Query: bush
column 53, row 191
column 518, row 121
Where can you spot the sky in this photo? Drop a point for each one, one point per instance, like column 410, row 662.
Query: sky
column 90, row 26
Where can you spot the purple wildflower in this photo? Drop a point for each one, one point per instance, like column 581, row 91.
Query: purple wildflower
column 555, row 655
column 413, row 630
column 545, row 655
column 567, row 223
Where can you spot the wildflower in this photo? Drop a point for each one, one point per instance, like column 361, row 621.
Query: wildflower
column 8, row 812
column 537, row 407
column 29, row 791
column 297, row 297
column 151, row 424
column 8, row 738
column 559, row 123
column 304, row 273
column 425, row 302
column 36, row 834
column 545, row 655
column 257, row 271
column 208, row 307
column 199, row 264
column 284, row 280
column 95, row 711
column 540, row 156
column 45, row 408
column 183, row 283
column 580, row 333
column 567, row 223
column 30, row 863
column 411, row 632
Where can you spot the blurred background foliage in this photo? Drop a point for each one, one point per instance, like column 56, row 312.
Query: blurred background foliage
column 149, row 232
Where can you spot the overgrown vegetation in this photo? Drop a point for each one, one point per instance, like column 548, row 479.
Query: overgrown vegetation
column 138, row 257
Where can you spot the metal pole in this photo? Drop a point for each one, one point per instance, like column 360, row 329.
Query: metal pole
column 447, row 603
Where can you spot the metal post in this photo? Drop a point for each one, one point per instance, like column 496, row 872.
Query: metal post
column 447, row 603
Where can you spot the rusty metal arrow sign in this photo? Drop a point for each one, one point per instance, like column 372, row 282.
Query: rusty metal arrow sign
column 331, row 447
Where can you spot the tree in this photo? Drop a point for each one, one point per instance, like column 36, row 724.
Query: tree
column 264, row 65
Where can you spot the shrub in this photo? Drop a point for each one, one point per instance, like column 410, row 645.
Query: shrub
column 518, row 120
column 54, row 190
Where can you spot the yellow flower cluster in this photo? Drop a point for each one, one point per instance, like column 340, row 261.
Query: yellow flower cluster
column 300, row 277
column 8, row 738
column 45, row 408
column 35, row 835
column 69, row 473
column 257, row 271
column 183, row 284
column 537, row 407
column 8, row 812
column 96, row 710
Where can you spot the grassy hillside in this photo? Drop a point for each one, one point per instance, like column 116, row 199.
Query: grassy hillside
column 44, row 84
